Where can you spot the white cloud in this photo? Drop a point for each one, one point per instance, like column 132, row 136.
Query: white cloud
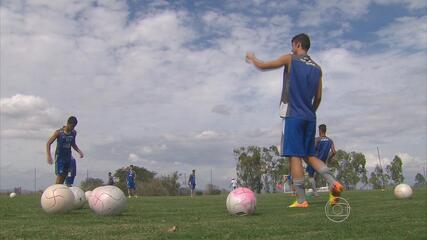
column 153, row 149
column 326, row 11
column 27, row 116
column 208, row 135
column 406, row 32
column 136, row 159
column 162, row 30
column 409, row 4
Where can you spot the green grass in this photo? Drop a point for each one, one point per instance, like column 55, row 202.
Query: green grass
column 374, row 215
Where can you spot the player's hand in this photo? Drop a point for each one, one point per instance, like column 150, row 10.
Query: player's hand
column 250, row 56
column 49, row 160
column 81, row 154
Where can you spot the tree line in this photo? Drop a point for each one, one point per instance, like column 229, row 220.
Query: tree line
column 262, row 168
column 149, row 183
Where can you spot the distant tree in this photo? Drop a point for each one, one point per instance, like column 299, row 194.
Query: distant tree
column 350, row 168
column 375, row 181
column 91, row 183
column 170, row 183
column 419, row 180
column 394, row 170
column 359, row 165
column 273, row 167
column 378, row 178
column 142, row 174
column 249, row 167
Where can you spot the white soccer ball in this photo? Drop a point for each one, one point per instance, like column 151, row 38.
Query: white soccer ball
column 12, row 195
column 57, row 199
column 107, row 200
column 403, row 191
column 79, row 197
column 241, row 201
column 87, row 195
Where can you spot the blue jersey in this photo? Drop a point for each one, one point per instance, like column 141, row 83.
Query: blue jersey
column 131, row 177
column 300, row 83
column 192, row 180
column 64, row 143
column 323, row 146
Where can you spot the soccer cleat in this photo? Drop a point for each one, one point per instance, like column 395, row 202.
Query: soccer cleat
column 299, row 205
column 335, row 193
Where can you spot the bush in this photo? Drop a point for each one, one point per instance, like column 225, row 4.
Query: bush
column 212, row 190
column 91, row 183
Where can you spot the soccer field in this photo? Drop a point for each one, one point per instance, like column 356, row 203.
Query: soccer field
column 374, row 215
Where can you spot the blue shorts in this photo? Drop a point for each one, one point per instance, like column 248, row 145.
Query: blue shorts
column 131, row 185
column 62, row 165
column 298, row 137
column 192, row 186
column 69, row 180
column 73, row 168
column 310, row 170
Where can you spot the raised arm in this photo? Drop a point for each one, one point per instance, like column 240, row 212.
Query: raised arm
column 318, row 96
column 49, row 142
column 284, row 60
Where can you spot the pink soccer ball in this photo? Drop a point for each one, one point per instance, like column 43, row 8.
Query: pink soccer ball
column 107, row 200
column 241, row 201
column 57, row 198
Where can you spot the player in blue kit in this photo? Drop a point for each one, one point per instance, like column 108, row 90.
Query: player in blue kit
column 69, row 181
column 192, row 182
column 65, row 140
column 130, row 180
column 301, row 92
column 323, row 145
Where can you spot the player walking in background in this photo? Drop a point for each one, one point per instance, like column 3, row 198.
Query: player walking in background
column 130, row 180
column 69, row 181
column 323, row 145
column 110, row 179
column 233, row 183
column 302, row 92
column 65, row 140
column 192, row 183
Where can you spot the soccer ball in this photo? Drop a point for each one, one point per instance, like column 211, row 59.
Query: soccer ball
column 12, row 195
column 241, row 201
column 403, row 191
column 88, row 194
column 107, row 200
column 79, row 197
column 57, row 199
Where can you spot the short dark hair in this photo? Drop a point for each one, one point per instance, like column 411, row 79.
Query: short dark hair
column 322, row 128
column 72, row 120
column 302, row 38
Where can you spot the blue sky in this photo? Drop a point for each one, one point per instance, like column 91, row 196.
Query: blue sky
column 164, row 85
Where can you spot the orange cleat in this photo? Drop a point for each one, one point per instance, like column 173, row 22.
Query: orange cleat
column 336, row 190
column 299, row 205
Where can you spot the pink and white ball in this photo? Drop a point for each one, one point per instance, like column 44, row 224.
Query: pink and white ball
column 57, row 198
column 241, row 201
column 79, row 197
column 107, row 200
column 403, row 191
